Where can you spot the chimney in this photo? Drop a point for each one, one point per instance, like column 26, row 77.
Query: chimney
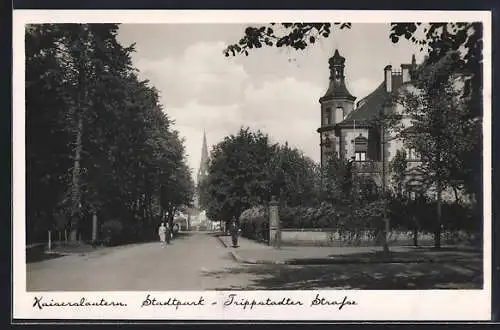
column 405, row 71
column 388, row 78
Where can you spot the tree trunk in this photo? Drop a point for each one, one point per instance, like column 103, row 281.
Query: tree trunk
column 437, row 232
column 415, row 231
column 171, row 214
column 385, row 243
column 83, row 102
column 457, row 197
column 75, row 184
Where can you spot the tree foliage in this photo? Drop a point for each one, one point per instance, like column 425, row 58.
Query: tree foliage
column 295, row 35
column 245, row 170
column 82, row 92
column 235, row 180
column 293, row 177
column 399, row 166
column 337, row 181
column 435, row 38
column 446, row 134
column 439, row 40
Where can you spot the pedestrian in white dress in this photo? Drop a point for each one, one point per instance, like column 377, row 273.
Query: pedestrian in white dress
column 162, row 231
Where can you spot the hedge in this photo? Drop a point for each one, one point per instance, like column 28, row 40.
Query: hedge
column 254, row 222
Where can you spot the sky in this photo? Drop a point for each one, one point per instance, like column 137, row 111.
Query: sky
column 274, row 89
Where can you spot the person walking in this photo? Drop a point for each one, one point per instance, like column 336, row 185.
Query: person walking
column 168, row 234
column 234, row 233
column 162, row 232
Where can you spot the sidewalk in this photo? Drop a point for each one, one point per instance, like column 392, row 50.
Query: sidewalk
column 251, row 252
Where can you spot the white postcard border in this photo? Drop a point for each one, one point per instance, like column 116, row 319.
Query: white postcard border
column 371, row 304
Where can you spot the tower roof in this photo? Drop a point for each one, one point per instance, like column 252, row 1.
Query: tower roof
column 336, row 58
column 337, row 87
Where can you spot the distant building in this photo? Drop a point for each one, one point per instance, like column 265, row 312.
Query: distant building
column 197, row 215
column 202, row 170
column 350, row 130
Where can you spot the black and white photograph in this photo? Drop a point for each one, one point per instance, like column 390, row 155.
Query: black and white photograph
column 333, row 158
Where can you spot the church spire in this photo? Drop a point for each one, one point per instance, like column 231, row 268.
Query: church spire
column 203, row 170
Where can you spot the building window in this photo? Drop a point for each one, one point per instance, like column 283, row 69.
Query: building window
column 328, row 117
column 360, row 148
column 339, row 114
column 413, row 154
column 326, row 140
column 360, row 156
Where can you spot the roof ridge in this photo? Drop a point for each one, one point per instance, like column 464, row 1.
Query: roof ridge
column 370, row 95
column 364, row 113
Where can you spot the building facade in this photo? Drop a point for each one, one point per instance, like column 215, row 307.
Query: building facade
column 355, row 130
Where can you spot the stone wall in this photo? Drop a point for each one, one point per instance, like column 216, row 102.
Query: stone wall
column 332, row 237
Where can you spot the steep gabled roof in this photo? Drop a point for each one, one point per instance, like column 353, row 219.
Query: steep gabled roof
column 370, row 106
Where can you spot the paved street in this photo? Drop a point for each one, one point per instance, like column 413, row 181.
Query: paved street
column 183, row 265
column 198, row 261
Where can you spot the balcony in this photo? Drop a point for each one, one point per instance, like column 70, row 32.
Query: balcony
column 367, row 166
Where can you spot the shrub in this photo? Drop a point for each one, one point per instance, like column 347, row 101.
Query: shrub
column 254, row 223
column 405, row 215
column 356, row 221
column 112, row 232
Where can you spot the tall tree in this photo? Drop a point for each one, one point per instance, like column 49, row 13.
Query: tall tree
column 236, row 180
column 292, row 176
column 47, row 153
column 445, row 131
column 337, row 181
column 399, row 165
column 246, row 171
column 97, row 135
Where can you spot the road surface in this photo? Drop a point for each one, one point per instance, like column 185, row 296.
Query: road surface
column 199, row 262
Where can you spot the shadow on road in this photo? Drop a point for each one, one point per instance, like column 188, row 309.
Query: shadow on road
column 34, row 255
column 183, row 234
column 416, row 276
column 38, row 257
column 412, row 256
